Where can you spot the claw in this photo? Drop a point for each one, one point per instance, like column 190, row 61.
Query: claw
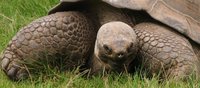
column 12, row 73
column 5, row 63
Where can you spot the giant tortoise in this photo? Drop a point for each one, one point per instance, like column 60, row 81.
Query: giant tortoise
column 69, row 32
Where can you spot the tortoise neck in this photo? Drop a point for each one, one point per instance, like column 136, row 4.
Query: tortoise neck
column 107, row 13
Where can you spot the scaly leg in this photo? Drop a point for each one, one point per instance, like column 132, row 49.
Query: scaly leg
column 68, row 34
column 164, row 50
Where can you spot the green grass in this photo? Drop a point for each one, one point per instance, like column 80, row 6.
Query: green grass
column 15, row 14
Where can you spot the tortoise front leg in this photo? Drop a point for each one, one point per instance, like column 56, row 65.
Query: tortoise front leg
column 163, row 50
column 68, row 34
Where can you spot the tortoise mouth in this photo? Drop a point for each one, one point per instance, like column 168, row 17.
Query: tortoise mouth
column 116, row 64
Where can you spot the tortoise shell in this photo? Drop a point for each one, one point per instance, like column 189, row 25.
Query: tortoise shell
column 182, row 15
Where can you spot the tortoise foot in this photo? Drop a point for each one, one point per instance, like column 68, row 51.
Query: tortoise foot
column 12, row 67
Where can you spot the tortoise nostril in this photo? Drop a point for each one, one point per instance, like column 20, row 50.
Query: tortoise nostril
column 120, row 55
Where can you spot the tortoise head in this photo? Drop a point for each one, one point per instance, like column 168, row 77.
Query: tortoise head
column 116, row 45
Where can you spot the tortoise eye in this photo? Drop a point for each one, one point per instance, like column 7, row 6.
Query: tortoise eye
column 130, row 47
column 108, row 49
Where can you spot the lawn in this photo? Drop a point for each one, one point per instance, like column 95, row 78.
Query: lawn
column 15, row 14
